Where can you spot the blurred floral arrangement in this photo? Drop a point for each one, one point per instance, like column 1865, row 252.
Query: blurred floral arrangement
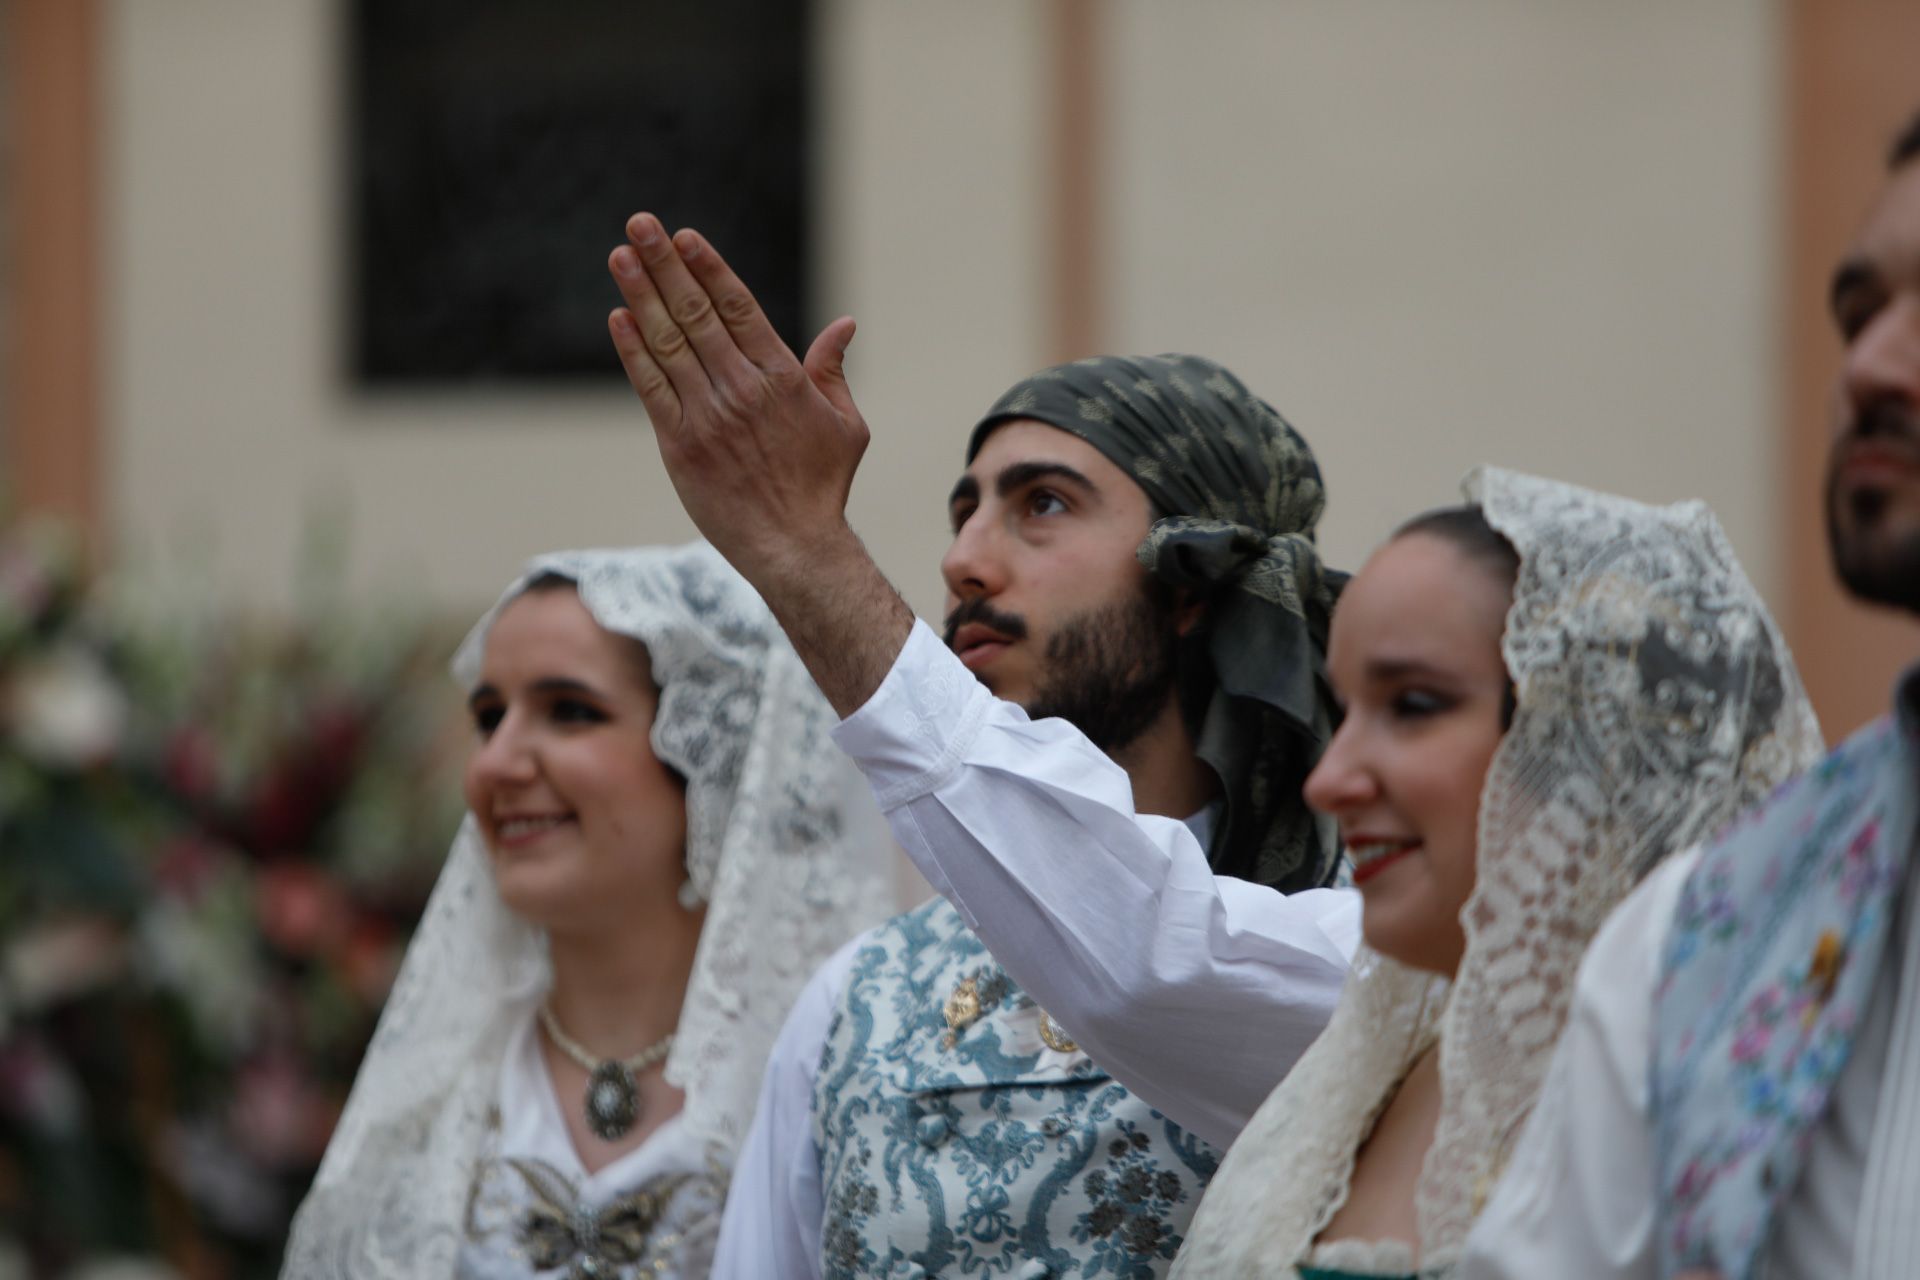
column 215, row 837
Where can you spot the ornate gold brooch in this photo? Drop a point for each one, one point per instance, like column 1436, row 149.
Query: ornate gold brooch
column 1055, row 1035
column 962, row 1009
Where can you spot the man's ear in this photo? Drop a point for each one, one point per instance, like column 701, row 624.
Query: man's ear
column 1189, row 610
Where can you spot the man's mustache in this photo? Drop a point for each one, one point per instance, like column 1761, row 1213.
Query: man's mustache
column 1010, row 625
column 1884, row 420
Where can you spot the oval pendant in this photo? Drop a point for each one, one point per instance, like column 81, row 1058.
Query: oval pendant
column 613, row 1102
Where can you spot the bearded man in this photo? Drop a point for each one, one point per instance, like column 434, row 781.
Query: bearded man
column 1737, row 1092
column 1099, row 769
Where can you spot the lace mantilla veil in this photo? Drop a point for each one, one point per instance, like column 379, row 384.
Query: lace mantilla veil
column 784, row 843
column 1656, row 700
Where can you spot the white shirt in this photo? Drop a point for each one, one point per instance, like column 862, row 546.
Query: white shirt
column 1578, row 1196
column 1195, row 991
column 530, row 1161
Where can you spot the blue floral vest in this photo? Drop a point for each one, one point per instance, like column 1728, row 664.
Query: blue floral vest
column 1775, row 946
column 955, row 1141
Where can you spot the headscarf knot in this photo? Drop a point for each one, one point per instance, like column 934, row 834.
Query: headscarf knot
column 1208, row 555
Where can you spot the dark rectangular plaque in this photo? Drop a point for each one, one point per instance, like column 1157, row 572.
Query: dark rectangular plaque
column 497, row 147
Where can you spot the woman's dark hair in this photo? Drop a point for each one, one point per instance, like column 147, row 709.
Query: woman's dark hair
column 549, row 580
column 1467, row 528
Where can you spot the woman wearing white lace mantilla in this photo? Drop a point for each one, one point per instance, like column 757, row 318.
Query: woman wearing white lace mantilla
column 1545, row 693
column 661, row 844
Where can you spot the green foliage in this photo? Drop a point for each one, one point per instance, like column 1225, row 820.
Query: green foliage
column 216, row 834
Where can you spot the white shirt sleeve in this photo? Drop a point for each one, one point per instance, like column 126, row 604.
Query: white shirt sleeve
column 1198, row 992
column 1578, row 1195
column 775, row 1206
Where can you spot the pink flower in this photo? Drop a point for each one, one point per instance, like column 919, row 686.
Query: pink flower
column 370, row 960
column 301, row 911
column 1752, row 1042
column 279, row 1115
column 191, row 764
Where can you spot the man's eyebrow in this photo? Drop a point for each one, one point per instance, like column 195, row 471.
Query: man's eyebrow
column 1854, row 273
column 1021, row 474
column 966, row 489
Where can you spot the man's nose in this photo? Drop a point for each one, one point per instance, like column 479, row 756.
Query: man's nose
column 1883, row 360
column 975, row 564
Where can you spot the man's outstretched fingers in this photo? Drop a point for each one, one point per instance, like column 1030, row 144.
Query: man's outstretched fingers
column 662, row 335
column 655, row 391
column 687, row 303
column 735, row 304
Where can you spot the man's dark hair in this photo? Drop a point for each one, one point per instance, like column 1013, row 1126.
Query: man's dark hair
column 1907, row 146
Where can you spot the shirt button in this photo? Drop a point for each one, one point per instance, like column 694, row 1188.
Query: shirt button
column 933, row 1130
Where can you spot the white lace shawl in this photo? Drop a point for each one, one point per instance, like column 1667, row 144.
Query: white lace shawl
column 783, row 841
column 1656, row 700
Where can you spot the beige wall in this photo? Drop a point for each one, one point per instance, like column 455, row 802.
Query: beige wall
column 1541, row 235
column 229, row 430
column 1432, row 234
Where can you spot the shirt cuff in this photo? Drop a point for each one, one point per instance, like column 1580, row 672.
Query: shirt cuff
column 918, row 726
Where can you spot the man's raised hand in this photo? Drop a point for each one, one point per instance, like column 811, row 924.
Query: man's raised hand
column 761, row 447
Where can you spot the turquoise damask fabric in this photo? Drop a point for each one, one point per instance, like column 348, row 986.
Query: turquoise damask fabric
column 979, row 1150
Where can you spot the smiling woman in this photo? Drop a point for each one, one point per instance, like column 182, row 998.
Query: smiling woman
column 1545, row 693
column 585, row 824
column 661, row 845
column 1425, row 708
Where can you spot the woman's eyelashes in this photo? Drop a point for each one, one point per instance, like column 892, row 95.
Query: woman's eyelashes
column 576, row 711
column 561, row 711
column 1419, row 704
column 486, row 718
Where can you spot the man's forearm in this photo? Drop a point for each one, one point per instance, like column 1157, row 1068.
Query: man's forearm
column 844, row 618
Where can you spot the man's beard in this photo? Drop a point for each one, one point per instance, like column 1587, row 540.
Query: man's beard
column 1875, row 566
column 1109, row 671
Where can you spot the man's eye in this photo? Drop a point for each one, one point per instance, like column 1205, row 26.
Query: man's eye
column 1854, row 314
column 959, row 516
column 1045, row 502
column 486, row 720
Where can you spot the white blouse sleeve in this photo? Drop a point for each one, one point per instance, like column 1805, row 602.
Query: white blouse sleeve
column 1578, row 1195
column 1198, row 992
column 775, row 1205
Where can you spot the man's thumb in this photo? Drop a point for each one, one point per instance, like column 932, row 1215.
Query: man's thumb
column 826, row 362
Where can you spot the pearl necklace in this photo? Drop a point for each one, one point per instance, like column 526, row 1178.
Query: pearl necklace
column 613, row 1096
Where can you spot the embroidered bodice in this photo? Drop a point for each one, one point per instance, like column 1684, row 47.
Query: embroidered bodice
column 962, row 1132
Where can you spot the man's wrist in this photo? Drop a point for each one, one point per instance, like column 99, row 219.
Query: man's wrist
column 844, row 618
column 791, row 570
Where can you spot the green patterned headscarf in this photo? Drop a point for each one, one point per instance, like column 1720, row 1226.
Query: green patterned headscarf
column 1238, row 493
